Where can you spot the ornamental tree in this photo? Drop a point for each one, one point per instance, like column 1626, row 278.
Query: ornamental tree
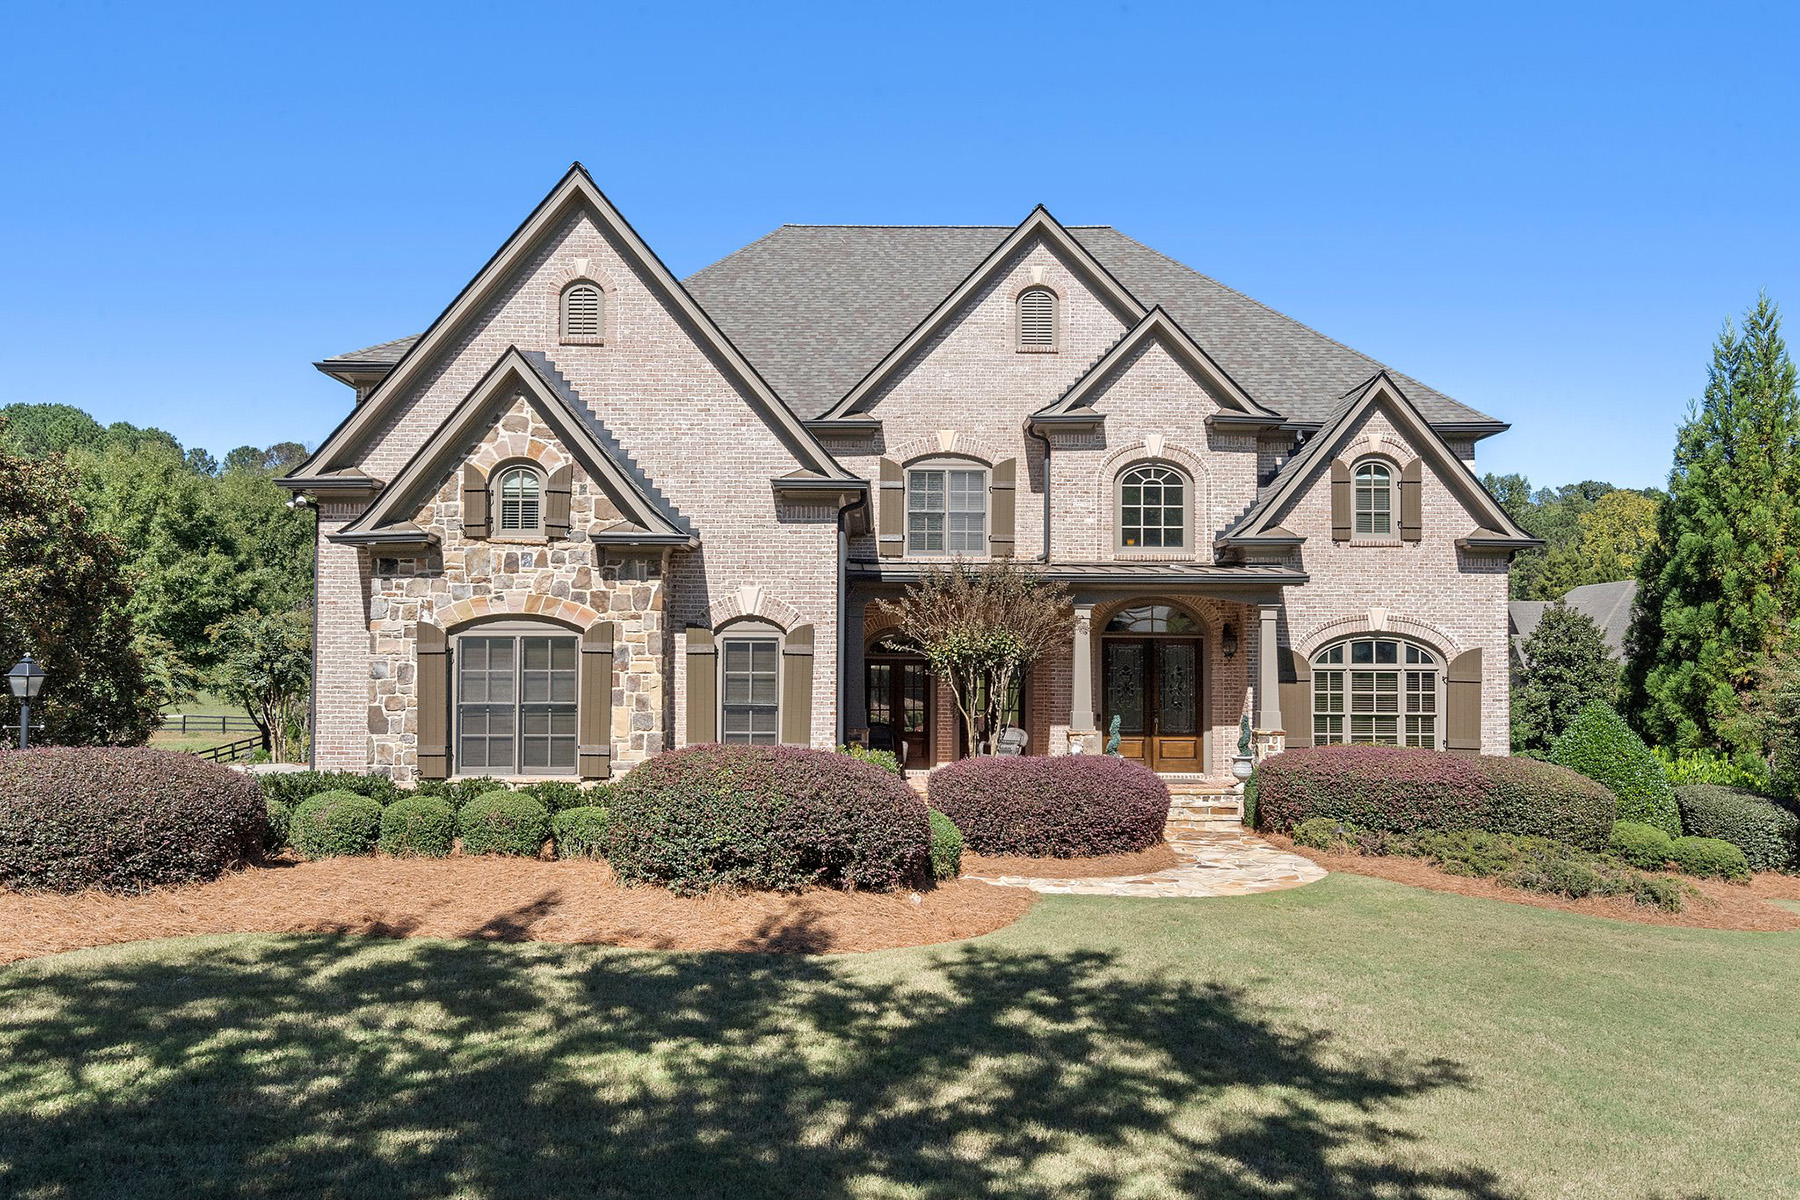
column 1564, row 668
column 981, row 626
column 265, row 664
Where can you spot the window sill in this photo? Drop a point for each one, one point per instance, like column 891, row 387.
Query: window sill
column 1037, row 349
column 519, row 539
column 1390, row 542
column 1127, row 554
column 581, row 341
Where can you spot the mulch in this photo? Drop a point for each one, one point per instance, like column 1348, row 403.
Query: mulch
column 1720, row 905
column 503, row 899
column 1160, row 857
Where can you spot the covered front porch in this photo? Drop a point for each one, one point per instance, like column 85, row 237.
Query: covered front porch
column 1175, row 654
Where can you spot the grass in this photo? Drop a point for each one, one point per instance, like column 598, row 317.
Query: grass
column 1351, row 1039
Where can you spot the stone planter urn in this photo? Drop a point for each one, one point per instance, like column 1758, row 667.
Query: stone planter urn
column 1242, row 763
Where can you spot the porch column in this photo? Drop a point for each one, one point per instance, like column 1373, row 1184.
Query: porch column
column 1081, row 689
column 1268, row 672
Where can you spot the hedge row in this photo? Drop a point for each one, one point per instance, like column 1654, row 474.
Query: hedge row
column 1767, row 832
column 1404, row 791
column 1067, row 806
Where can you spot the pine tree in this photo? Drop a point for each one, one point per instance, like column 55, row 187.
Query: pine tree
column 1719, row 591
column 1565, row 667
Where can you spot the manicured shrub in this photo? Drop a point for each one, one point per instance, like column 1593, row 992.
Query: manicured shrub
column 887, row 760
column 946, row 847
column 558, row 794
column 503, row 823
column 275, row 836
column 1767, row 832
column 459, row 792
column 1066, row 806
column 294, row 787
column 1402, row 791
column 123, row 819
column 335, row 824
column 1250, row 802
column 1709, row 858
column 580, row 832
column 1691, row 767
column 1601, row 746
column 1326, row 833
column 1642, row 845
column 774, row 817
column 418, row 826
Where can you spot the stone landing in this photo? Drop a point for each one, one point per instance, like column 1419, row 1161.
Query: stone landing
column 1212, row 864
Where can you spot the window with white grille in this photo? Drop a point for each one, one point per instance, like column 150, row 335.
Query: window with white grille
column 1376, row 690
column 520, row 499
column 581, row 311
column 1037, row 319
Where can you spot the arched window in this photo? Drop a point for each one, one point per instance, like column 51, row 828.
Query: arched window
column 1152, row 508
column 1037, row 319
column 1378, row 691
column 518, row 497
column 582, row 311
column 1153, row 618
column 517, row 687
column 1374, row 498
column 750, row 683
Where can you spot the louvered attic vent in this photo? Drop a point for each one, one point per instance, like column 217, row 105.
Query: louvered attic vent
column 581, row 311
column 1037, row 319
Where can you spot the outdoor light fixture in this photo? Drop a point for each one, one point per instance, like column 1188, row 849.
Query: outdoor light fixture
column 26, row 680
column 1228, row 640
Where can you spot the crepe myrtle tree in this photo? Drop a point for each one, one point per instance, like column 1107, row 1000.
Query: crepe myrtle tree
column 265, row 664
column 981, row 626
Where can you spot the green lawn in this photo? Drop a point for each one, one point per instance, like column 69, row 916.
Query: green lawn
column 1350, row 1039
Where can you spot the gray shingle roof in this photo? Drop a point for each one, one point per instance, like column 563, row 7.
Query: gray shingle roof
column 815, row 307
column 1608, row 604
column 383, row 352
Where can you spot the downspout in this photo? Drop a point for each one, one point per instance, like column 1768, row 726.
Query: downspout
column 843, row 601
column 1038, row 437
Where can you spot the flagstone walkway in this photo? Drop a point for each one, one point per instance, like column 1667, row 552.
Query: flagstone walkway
column 1212, row 864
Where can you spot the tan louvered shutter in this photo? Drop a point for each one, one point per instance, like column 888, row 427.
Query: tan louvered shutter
column 1296, row 698
column 556, row 503
column 1037, row 319
column 1412, row 506
column 596, row 700
column 890, row 537
column 702, row 686
column 474, row 502
column 581, row 311
column 1340, row 501
column 797, row 686
column 1003, row 508
column 1462, row 702
column 433, row 677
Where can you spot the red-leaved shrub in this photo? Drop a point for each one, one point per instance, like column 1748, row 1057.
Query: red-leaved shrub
column 122, row 819
column 1064, row 806
column 765, row 817
column 1406, row 790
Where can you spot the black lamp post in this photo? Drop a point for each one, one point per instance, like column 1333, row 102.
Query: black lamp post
column 26, row 680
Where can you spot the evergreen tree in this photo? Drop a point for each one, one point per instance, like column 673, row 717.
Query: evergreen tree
column 1565, row 668
column 1719, row 590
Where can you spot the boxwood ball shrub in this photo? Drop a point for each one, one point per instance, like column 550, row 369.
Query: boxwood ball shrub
column 1601, row 746
column 1642, row 845
column 1709, row 858
column 418, row 827
column 946, row 847
column 558, row 794
column 1065, row 806
column 766, row 817
column 1767, row 832
column 503, row 823
column 335, row 824
column 123, row 819
column 1390, row 789
column 580, row 832
column 275, row 835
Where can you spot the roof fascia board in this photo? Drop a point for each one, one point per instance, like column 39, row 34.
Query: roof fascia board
column 1038, row 223
column 1159, row 324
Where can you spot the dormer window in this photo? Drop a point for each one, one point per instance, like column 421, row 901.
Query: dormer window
column 582, row 312
column 1373, row 497
column 1037, row 319
column 519, row 499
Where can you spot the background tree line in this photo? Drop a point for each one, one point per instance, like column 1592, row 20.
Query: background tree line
column 209, row 573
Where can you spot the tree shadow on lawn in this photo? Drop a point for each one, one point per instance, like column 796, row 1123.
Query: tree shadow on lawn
column 330, row 1066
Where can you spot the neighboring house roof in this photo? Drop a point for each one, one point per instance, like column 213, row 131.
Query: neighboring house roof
column 649, row 518
column 818, row 307
column 1494, row 530
column 1609, row 605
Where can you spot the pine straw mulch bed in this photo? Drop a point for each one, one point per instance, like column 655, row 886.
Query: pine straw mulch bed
column 1720, row 905
column 1159, row 857
column 503, row 899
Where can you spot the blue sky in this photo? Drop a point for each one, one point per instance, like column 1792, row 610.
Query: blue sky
column 1546, row 212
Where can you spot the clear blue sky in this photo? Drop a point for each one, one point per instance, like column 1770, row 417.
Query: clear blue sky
column 1546, row 212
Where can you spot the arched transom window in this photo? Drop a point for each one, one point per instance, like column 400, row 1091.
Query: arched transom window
column 1152, row 508
column 1153, row 618
column 519, row 497
column 581, row 310
column 1378, row 691
column 1037, row 319
column 1374, row 498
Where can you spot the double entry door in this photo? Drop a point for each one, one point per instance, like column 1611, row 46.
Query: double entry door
column 1152, row 685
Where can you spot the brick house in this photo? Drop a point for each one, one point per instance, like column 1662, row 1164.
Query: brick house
column 595, row 511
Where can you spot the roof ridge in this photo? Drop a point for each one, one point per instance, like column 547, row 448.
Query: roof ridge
column 905, row 225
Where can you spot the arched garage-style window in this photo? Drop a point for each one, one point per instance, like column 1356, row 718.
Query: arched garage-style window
column 1378, row 691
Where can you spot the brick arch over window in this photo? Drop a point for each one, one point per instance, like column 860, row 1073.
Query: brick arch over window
column 1150, row 451
column 1432, row 637
column 753, row 600
column 948, row 443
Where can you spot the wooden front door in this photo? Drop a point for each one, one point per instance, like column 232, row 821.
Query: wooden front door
column 899, row 696
column 1153, row 686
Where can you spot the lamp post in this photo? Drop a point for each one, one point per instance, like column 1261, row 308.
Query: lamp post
column 26, row 680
